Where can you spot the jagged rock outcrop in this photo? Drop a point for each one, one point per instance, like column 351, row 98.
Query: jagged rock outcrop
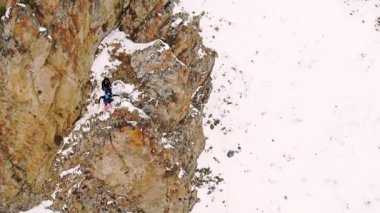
column 127, row 162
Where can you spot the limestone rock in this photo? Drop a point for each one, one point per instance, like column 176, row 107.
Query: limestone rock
column 128, row 162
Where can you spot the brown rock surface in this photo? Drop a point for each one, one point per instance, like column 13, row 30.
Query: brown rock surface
column 47, row 49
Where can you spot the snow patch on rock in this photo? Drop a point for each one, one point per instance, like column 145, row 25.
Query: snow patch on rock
column 75, row 170
column 42, row 208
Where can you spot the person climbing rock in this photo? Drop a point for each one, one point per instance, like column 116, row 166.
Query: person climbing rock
column 106, row 85
column 107, row 97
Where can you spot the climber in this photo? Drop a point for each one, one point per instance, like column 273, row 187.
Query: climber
column 106, row 85
column 107, row 97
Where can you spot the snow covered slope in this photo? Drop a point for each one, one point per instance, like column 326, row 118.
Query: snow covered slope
column 296, row 92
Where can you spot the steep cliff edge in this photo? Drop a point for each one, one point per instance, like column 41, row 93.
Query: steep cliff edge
column 55, row 143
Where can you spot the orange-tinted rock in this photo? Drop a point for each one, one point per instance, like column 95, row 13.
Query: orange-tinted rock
column 127, row 163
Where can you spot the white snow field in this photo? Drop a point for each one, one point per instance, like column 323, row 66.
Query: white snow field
column 296, row 85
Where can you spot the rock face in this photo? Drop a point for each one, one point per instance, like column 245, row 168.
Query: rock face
column 142, row 156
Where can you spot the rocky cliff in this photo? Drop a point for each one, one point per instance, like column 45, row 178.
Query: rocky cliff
column 57, row 144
